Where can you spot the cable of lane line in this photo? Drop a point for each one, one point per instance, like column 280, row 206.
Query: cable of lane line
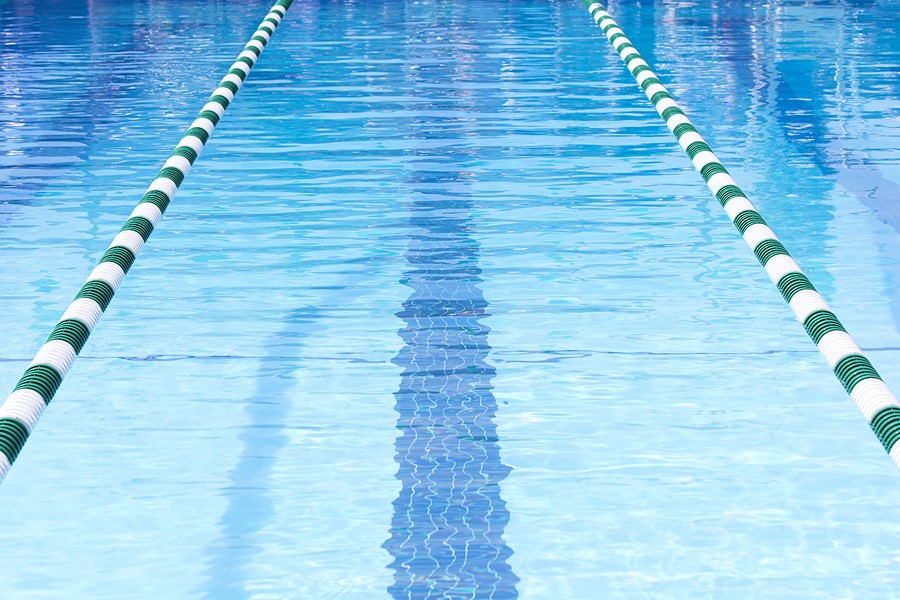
column 21, row 410
column 859, row 378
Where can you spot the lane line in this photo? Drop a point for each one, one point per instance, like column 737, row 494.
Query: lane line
column 860, row 379
column 21, row 410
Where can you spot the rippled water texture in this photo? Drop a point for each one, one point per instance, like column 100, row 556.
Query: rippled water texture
column 443, row 311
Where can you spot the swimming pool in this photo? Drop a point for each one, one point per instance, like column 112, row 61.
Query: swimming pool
column 443, row 306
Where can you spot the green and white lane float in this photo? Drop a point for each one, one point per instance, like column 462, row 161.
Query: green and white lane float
column 870, row 394
column 23, row 407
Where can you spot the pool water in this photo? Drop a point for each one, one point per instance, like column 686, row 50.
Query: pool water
column 443, row 311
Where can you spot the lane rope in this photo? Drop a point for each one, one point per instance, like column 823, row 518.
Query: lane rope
column 23, row 407
column 859, row 378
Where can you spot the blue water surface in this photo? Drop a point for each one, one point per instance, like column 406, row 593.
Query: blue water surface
column 443, row 311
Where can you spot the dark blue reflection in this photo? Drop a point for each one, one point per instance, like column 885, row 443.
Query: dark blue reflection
column 447, row 529
column 47, row 123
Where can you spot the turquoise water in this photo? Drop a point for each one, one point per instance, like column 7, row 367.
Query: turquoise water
column 443, row 311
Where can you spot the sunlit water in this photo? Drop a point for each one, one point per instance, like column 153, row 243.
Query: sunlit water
column 443, row 311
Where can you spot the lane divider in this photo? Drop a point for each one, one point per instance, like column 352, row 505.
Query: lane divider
column 859, row 378
column 24, row 406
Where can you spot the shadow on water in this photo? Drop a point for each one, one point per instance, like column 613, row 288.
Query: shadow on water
column 249, row 499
